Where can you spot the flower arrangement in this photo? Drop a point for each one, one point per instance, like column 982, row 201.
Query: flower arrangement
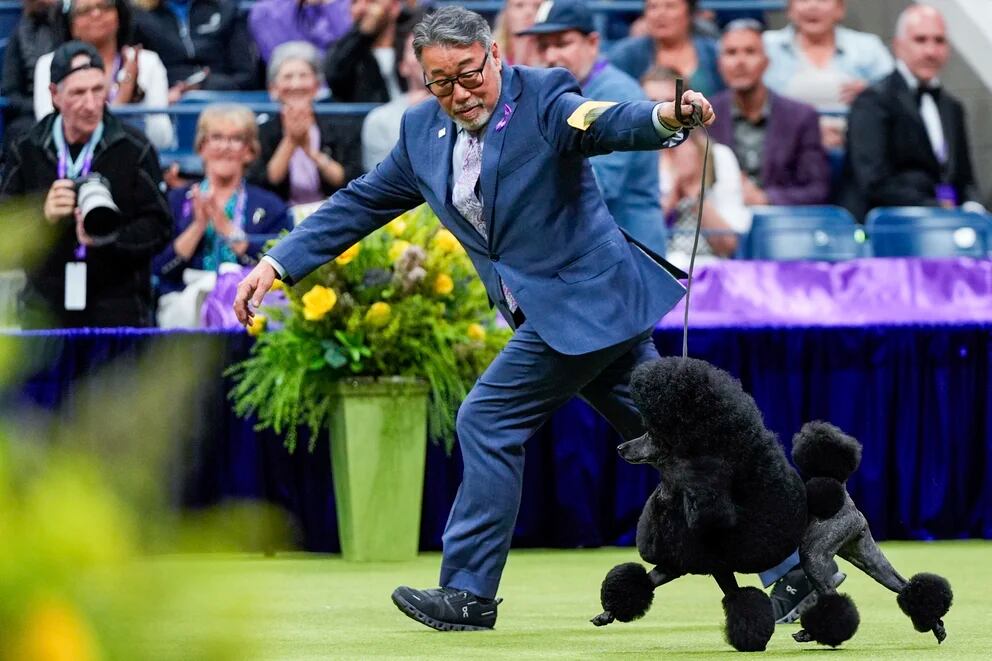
column 405, row 301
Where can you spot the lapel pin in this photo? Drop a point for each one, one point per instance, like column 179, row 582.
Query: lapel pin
column 441, row 132
column 507, row 111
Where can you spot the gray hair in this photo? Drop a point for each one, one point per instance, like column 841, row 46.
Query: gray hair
column 749, row 24
column 292, row 50
column 451, row 26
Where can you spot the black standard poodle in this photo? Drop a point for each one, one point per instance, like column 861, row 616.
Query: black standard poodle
column 827, row 457
column 728, row 500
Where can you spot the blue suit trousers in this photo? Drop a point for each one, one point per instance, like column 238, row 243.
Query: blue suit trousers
column 510, row 401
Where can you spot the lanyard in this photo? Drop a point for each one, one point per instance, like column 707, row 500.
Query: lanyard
column 595, row 71
column 69, row 168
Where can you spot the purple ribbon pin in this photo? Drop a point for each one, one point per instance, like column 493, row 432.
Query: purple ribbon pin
column 507, row 111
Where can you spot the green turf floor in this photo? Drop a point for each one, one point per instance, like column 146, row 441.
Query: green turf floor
column 299, row 606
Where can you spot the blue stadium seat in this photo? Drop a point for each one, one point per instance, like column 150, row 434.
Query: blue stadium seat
column 928, row 232
column 785, row 233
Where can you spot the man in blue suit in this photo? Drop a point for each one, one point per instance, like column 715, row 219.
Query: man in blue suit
column 500, row 155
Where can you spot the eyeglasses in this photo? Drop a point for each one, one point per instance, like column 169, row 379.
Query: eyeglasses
column 236, row 140
column 467, row 79
column 95, row 8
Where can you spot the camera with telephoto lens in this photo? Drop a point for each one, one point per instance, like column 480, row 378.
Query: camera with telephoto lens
column 101, row 216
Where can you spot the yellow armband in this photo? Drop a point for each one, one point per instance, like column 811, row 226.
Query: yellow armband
column 587, row 113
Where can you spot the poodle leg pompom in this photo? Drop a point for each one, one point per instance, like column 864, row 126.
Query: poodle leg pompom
column 926, row 599
column 832, row 620
column 626, row 594
column 750, row 620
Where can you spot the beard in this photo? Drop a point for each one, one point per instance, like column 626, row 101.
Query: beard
column 485, row 114
column 475, row 124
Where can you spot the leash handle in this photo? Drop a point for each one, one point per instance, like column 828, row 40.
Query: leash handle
column 696, row 119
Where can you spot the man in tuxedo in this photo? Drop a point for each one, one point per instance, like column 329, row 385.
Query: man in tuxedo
column 906, row 141
column 500, row 155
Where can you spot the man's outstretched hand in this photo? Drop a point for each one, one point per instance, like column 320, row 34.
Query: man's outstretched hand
column 666, row 110
column 251, row 290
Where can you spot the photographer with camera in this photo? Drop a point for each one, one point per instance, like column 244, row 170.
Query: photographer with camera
column 104, row 212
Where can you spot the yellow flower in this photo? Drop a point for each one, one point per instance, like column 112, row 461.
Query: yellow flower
column 53, row 631
column 277, row 284
column 476, row 332
column 258, row 324
column 446, row 241
column 318, row 302
column 397, row 249
column 378, row 314
column 443, row 284
column 348, row 255
column 396, row 227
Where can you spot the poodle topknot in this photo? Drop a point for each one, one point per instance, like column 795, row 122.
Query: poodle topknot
column 694, row 406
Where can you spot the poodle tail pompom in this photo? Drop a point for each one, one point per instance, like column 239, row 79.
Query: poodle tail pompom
column 627, row 592
column 823, row 450
column 832, row 620
column 750, row 619
column 825, row 496
column 926, row 599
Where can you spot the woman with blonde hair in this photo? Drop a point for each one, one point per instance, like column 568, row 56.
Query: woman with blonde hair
column 221, row 219
column 517, row 16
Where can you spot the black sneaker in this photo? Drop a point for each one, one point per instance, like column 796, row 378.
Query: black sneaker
column 447, row 609
column 793, row 594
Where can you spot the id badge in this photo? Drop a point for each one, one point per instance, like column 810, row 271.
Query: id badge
column 75, row 286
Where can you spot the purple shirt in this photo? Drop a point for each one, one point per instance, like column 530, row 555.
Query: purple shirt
column 274, row 22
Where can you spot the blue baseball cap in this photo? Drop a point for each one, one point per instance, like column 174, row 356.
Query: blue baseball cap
column 561, row 16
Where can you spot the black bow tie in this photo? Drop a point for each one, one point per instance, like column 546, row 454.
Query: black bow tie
column 932, row 90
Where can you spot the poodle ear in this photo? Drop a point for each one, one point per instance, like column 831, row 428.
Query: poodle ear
column 822, row 450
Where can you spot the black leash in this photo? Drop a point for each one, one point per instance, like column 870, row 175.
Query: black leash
column 693, row 121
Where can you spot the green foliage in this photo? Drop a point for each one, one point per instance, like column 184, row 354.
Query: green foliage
column 404, row 302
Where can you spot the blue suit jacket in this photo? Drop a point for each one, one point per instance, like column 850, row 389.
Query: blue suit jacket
column 578, row 280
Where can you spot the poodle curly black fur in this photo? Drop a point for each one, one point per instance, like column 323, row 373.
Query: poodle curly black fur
column 728, row 501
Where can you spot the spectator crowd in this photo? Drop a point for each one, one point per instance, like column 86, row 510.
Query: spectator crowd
column 788, row 102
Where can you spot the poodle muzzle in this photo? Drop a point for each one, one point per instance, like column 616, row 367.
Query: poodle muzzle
column 640, row 450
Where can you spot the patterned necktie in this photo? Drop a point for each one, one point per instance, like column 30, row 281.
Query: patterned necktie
column 464, row 199
column 463, row 194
